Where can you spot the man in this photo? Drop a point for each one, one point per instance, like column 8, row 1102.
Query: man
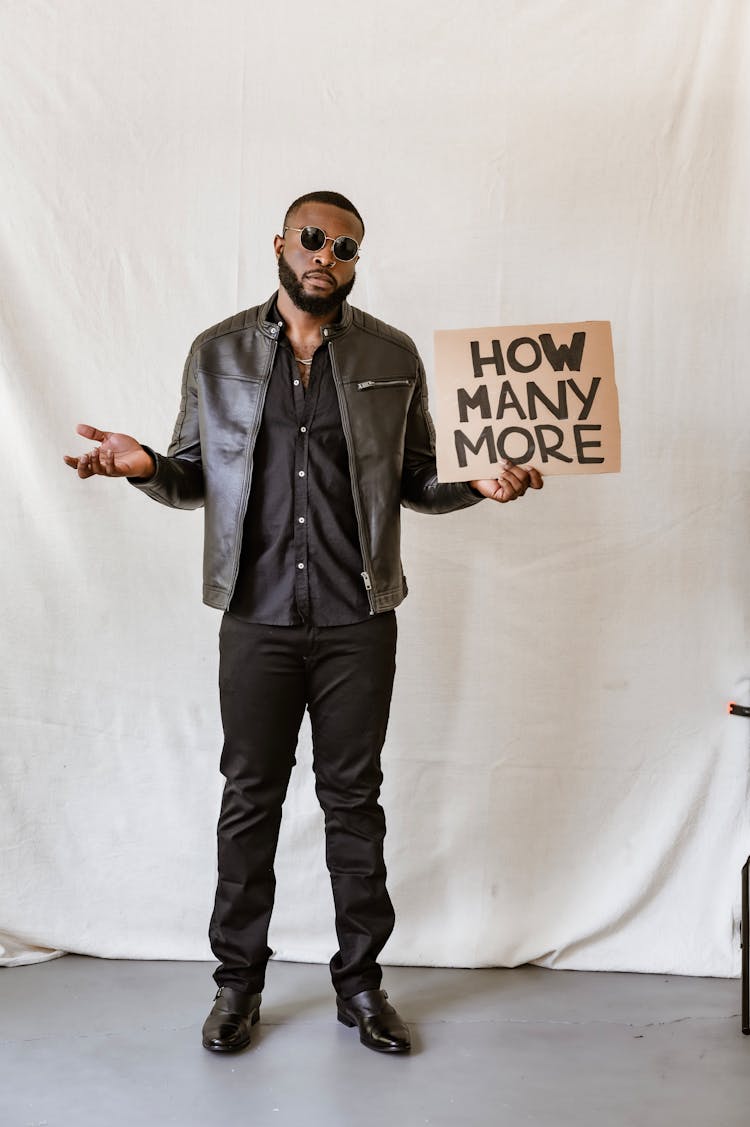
column 303, row 426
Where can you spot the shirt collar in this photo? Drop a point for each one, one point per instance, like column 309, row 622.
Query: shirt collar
column 272, row 320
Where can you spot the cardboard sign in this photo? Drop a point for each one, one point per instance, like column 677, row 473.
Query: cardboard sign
column 543, row 395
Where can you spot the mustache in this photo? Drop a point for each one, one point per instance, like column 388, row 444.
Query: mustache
column 320, row 272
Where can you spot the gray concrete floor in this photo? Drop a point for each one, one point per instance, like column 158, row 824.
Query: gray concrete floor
column 87, row 1042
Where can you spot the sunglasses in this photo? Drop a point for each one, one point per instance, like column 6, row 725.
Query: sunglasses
column 313, row 238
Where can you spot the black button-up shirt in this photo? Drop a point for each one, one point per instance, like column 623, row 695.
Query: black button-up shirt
column 301, row 560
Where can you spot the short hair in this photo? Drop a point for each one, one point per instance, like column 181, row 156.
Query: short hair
column 335, row 199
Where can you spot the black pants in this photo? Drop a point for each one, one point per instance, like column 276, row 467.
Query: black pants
column 267, row 675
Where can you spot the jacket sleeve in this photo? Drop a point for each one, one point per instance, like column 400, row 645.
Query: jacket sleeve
column 420, row 488
column 178, row 479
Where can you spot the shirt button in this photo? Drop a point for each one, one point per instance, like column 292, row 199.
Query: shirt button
column 301, row 520
column 301, row 473
column 303, row 430
column 296, row 383
column 301, row 567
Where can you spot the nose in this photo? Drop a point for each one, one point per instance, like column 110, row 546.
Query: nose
column 325, row 256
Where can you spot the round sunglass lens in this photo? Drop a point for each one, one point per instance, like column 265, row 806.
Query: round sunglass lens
column 312, row 238
column 345, row 248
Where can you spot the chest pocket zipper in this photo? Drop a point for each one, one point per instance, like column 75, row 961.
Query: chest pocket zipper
column 367, row 384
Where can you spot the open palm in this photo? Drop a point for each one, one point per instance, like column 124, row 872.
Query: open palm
column 118, row 455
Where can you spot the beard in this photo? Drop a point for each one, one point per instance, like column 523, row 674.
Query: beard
column 319, row 305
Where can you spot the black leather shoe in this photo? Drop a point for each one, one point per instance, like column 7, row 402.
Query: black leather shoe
column 380, row 1027
column 227, row 1027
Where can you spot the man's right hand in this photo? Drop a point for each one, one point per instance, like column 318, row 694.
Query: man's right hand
column 118, row 455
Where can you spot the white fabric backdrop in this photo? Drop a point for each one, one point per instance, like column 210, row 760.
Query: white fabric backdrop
column 562, row 782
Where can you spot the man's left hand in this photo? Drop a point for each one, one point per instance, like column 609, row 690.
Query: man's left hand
column 512, row 483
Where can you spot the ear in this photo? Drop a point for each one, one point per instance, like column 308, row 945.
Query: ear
column 278, row 245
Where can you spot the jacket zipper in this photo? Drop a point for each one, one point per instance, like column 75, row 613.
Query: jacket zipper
column 252, row 435
column 353, row 475
column 367, row 384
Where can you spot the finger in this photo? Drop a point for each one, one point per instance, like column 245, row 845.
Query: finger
column 70, row 461
column 97, row 465
column 531, row 476
column 512, row 484
column 504, row 492
column 115, row 465
column 84, row 466
column 91, row 433
column 519, row 475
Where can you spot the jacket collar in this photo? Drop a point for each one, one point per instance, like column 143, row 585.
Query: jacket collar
column 270, row 328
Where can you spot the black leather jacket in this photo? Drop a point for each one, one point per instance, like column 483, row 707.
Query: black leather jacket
column 389, row 434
